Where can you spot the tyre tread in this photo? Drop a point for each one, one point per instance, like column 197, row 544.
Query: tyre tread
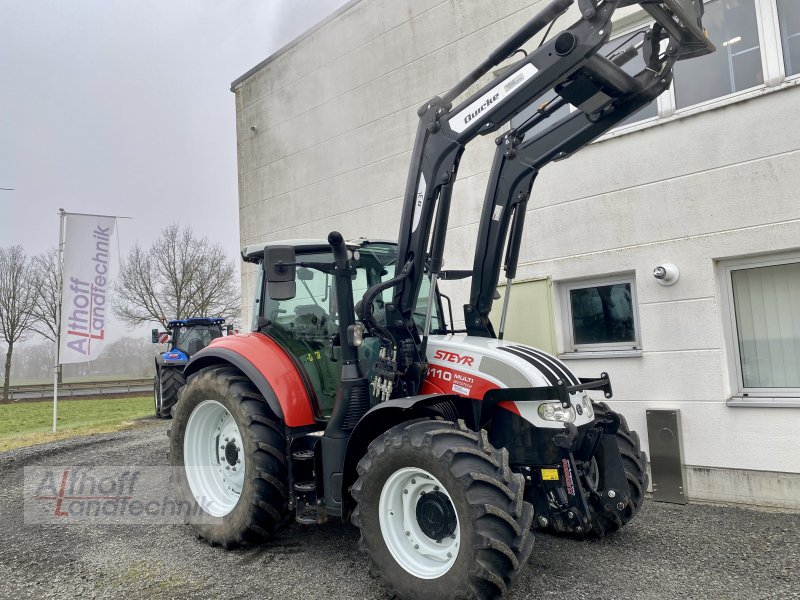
column 268, row 508
column 501, row 521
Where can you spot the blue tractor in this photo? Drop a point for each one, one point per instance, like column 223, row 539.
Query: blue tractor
column 186, row 337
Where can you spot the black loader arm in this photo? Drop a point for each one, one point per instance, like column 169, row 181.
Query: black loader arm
column 518, row 160
column 568, row 63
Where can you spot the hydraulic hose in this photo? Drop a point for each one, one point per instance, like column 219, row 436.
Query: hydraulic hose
column 372, row 293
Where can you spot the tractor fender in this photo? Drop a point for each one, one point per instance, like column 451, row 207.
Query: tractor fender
column 382, row 417
column 161, row 365
column 268, row 366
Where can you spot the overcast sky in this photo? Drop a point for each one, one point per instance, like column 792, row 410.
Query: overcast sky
column 124, row 107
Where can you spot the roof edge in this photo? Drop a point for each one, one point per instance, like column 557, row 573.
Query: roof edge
column 293, row 43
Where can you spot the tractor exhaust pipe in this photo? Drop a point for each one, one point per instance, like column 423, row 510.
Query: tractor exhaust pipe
column 352, row 397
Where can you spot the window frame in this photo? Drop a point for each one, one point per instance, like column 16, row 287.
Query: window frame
column 573, row 350
column 765, row 41
column 773, row 22
column 741, row 395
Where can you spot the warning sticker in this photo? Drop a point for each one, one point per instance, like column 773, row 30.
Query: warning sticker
column 549, row 474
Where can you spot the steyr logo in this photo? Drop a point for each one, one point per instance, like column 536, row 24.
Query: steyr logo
column 454, row 358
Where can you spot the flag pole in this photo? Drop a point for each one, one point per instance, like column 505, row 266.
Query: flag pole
column 60, row 267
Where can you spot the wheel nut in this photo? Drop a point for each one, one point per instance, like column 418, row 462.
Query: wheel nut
column 405, row 491
column 449, row 555
column 620, row 505
column 408, row 533
column 612, row 494
column 227, row 439
column 413, row 481
column 233, row 468
column 570, row 514
column 416, row 546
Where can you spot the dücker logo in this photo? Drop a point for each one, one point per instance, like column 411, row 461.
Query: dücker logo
column 486, row 104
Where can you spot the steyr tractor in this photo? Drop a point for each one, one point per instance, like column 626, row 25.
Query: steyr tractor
column 356, row 397
column 186, row 338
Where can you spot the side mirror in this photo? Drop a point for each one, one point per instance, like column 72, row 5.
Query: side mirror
column 229, row 329
column 155, row 336
column 279, row 271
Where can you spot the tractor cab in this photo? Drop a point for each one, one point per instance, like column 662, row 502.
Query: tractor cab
column 187, row 337
column 306, row 325
column 192, row 335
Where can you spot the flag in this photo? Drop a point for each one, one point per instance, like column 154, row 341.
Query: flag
column 86, row 295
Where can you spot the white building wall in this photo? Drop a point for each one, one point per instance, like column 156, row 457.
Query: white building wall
column 325, row 131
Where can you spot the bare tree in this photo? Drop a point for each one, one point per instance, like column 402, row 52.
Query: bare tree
column 34, row 361
column 19, row 288
column 127, row 356
column 179, row 276
column 49, row 297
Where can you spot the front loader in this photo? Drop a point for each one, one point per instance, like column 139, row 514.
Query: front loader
column 356, row 398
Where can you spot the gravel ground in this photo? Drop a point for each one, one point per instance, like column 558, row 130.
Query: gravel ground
column 695, row 551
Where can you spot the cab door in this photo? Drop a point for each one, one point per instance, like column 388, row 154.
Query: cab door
column 304, row 326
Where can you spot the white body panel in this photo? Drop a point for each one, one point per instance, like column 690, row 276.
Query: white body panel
column 468, row 366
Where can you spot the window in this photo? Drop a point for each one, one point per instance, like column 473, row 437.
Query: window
column 735, row 66
column 764, row 325
column 789, row 21
column 193, row 339
column 600, row 315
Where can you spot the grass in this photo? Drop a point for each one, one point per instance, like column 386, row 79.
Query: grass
column 29, row 423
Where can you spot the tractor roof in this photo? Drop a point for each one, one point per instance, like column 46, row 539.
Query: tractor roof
column 196, row 321
column 255, row 252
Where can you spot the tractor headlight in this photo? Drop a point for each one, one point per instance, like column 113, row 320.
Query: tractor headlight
column 586, row 402
column 553, row 411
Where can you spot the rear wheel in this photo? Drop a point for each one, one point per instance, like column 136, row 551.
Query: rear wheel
column 441, row 514
column 231, row 457
column 171, row 381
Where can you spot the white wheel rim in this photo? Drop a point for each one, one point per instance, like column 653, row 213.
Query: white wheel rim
column 413, row 550
column 213, row 456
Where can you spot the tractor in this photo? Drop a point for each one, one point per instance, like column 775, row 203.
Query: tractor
column 357, row 396
column 186, row 338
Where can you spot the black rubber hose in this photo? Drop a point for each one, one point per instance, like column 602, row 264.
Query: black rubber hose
column 369, row 297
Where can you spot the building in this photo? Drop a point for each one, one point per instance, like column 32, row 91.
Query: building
column 707, row 180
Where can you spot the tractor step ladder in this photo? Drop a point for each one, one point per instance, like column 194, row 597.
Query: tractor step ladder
column 304, row 487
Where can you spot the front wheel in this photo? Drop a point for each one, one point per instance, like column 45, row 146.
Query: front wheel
column 441, row 514
column 229, row 451
column 634, row 461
